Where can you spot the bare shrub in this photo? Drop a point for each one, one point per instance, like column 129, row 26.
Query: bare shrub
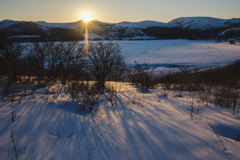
column 184, row 68
column 54, row 60
column 71, row 62
column 143, row 75
column 166, row 89
column 204, row 97
column 85, row 94
column 227, row 97
column 218, row 136
column 6, row 87
column 11, row 58
column 39, row 53
column 111, row 95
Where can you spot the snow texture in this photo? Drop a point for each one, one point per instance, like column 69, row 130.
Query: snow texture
column 142, row 126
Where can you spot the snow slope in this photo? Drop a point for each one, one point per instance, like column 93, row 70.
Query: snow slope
column 142, row 126
column 203, row 22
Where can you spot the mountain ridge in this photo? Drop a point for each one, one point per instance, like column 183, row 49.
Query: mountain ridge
column 198, row 22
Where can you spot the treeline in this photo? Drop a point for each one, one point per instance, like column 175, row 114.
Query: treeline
column 217, row 85
column 183, row 33
column 45, row 60
column 233, row 33
column 228, row 75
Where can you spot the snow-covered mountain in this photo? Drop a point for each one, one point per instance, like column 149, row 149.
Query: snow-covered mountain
column 142, row 24
column 75, row 25
column 203, row 23
column 60, row 25
column 72, row 25
column 7, row 23
column 177, row 28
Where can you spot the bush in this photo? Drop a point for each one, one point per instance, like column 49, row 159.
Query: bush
column 143, row 75
column 85, row 94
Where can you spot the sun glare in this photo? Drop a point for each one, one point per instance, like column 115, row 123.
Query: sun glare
column 86, row 17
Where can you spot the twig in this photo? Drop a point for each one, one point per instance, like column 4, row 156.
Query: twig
column 57, row 130
column 215, row 142
column 237, row 137
column 14, row 146
column 217, row 136
column 9, row 146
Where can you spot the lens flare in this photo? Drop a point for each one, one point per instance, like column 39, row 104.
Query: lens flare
column 86, row 17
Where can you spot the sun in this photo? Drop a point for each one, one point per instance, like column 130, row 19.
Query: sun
column 86, row 17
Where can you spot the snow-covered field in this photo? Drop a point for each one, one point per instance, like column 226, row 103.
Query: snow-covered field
column 168, row 52
column 140, row 126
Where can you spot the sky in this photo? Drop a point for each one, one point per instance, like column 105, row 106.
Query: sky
column 112, row 11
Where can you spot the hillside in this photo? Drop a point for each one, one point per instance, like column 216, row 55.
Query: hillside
column 204, row 23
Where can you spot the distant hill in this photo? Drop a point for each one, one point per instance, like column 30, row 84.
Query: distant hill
column 7, row 23
column 183, row 27
column 204, row 23
column 142, row 24
column 75, row 25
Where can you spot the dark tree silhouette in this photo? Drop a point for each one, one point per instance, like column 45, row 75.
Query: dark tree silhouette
column 104, row 58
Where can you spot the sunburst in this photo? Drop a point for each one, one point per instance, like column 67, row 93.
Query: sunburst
column 86, row 17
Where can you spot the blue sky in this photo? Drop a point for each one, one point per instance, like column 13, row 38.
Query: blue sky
column 116, row 11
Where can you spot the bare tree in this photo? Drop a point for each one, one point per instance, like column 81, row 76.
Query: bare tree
column 143, row 74
column 72, row 60
column 11, row 58
column 39, row 53
column 55, row 53
column 104, row 58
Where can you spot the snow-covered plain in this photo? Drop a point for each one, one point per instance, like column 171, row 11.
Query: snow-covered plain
column 162, row 53
column 140, row 126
